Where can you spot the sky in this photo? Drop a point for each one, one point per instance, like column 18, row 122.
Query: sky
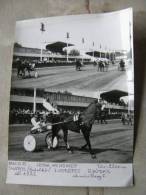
column 109, row 30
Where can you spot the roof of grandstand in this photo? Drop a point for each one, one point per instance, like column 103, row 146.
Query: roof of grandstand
column 57, row 47
column 96, row 53
column 113, row 95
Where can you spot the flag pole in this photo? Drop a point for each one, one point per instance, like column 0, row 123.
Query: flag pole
column 67, row 37
column 93, row 49
column 100, row 51
column 83, row 41
column 34, row 101
column 42, row 29
column 41, row 53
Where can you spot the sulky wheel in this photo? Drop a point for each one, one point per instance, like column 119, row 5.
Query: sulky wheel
column 49, row 143
column 48, row 140
column 29, row 143
column 36, row 74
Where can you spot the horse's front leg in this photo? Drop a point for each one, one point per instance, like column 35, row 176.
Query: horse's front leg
column 23, row 73
column 86, row 134
column 29, row 73
column 65, row 132
column 84, row 146
column 54, row 135
column 18, row 72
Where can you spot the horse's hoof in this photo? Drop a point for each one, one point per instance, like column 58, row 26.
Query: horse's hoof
column 49, row 147
column 70, row 152
column 93, row 156
column 83, row 147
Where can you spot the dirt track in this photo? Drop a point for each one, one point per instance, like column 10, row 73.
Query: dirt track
column 63, row 78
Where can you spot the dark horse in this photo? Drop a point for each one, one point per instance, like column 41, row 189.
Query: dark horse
column 78, row 65
column 122, row 65
column 22, row 67
column 84, row 124
column 101, row 66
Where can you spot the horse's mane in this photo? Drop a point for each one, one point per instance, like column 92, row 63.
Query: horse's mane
column 88, row 114
column 87, row 110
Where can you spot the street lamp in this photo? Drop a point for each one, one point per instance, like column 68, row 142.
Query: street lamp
column 83, row 41
column 93, row 48
column 100, row 51
column 42, row 29
column 105, row 52
column 130, row 36
column 67, row 37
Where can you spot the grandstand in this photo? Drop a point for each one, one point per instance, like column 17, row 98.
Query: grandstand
column 109, row 55
column 52, row 55
column 24, row 101
column 55, row 54
column 63, row 100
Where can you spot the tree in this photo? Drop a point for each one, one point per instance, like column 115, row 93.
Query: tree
column 17, row 44
column 67, row 92
column 74, row 52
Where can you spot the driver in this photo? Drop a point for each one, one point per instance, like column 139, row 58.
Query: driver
column 53, row 112
column 36, row 123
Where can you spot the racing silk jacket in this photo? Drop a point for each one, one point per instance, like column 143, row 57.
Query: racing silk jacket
column 35, row 124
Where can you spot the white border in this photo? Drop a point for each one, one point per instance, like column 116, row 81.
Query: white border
column 70, row 174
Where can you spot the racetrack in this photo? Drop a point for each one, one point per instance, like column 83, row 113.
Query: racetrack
column 63, row 78
column 112, row 143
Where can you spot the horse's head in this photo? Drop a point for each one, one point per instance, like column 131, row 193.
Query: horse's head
column 98, row 106
column 93, row 108
column 89, row 115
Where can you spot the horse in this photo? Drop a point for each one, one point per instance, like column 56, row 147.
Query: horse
column 83, row 124
column 101, row 66
column 20, row 68
column 95, row 63
column 29, row 67
column 127, row 118
column 23, row 67
column 122, row 65
column 106, row 66
column 78, row 65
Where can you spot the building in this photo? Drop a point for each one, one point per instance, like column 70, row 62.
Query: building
column 67, row 101
column 52, row 55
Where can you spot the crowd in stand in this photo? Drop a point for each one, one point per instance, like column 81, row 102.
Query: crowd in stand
column 20, row 116
column 46, row 62
column 23, row 116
